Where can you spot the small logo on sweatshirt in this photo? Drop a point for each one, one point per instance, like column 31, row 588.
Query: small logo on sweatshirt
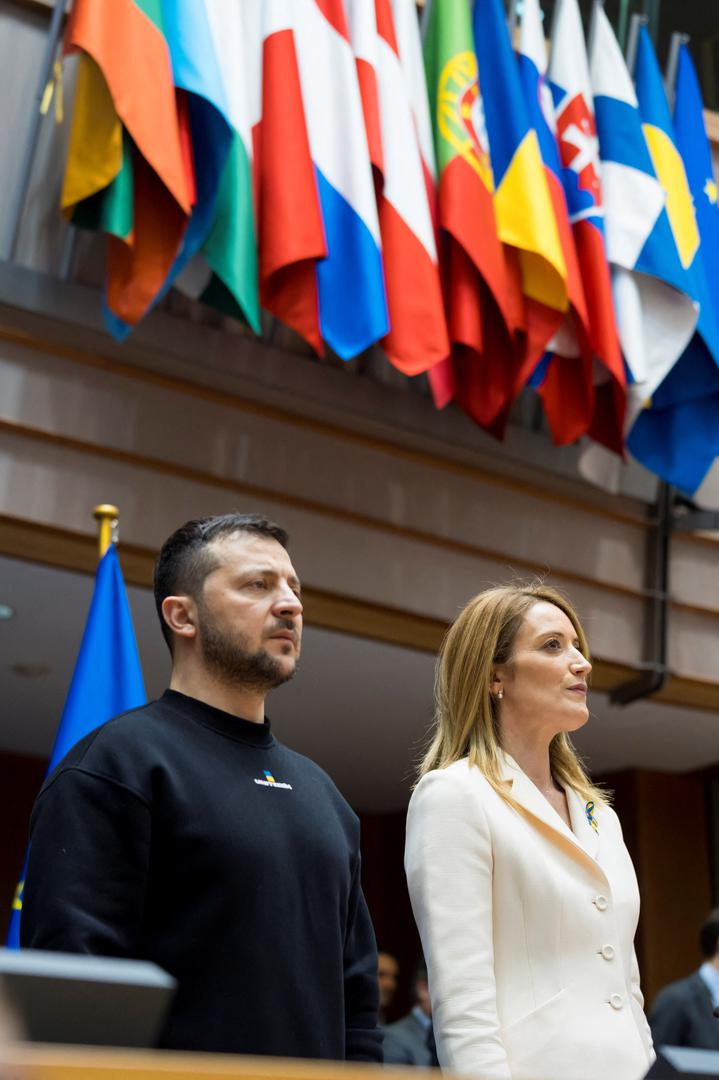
column 269, row 781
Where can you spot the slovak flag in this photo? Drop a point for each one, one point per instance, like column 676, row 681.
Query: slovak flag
column 352, row 298
column 564, row 378
column 579, row 152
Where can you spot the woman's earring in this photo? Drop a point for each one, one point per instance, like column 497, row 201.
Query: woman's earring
column 500, row 693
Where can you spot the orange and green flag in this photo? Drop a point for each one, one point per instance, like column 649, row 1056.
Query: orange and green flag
column 129, row 169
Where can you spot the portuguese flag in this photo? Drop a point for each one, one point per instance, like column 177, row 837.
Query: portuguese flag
column 483, row 306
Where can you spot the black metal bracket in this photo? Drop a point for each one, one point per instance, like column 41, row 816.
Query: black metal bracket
column 687, row 517
column 672, row 513
column 654, row 675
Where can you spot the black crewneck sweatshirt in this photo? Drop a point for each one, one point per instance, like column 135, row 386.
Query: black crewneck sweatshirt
column 181, row 834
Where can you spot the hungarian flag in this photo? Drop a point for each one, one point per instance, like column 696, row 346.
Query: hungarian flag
column 482, row 310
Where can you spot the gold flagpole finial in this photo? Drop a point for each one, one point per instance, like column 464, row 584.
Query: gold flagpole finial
column 106, row 515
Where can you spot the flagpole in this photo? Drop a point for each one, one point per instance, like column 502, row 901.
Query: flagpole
column 14, row 216
column 670, row 75
column 596, row 6
column 106, row 516
column 635, row 24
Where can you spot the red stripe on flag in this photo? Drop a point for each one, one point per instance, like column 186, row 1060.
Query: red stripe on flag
column 334, row 12
column 290, row 230
column 385, row 23
column 568, row 397
column 567, row 392
column 466, row 211
column 418, row 336
column 608, row 422
column 370, row 108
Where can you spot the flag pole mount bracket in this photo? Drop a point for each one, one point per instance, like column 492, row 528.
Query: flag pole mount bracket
column 107, row 517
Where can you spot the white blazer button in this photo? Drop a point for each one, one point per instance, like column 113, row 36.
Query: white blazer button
column 607, row 952
column 601, row 903
column 616, row 1002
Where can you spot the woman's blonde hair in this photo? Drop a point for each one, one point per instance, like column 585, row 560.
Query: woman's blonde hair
column 466, row 715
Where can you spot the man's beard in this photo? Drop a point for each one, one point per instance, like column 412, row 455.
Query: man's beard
column 235, row 664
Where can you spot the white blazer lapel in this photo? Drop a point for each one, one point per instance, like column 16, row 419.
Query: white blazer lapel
column 533, row 802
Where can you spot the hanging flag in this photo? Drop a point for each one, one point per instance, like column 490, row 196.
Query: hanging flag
column 579, row 153
column 362, row 24
column 147, row 181
column 482, row 305
column 198, row 78
column 522, row 201
column 229, row 248
column 338, row 144
column 409, row 44
column 276, row 245
column 107, row 680
column 656, row 315
column 291, row 231
column 418, row 333
column 565, row 379
column 677, row 434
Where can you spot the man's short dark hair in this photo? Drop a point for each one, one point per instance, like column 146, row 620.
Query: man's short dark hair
column 709, row 935
column 186, row 557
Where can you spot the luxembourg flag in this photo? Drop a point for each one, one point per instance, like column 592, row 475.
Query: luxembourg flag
column 352, row 298
column 564, row 380
column 418, row 337
column 579, row 152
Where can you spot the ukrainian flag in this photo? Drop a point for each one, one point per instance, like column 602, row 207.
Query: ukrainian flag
column 677, row 434
column 107, row 680
column 522, row 201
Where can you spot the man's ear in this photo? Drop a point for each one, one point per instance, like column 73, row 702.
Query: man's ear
column 180, row 614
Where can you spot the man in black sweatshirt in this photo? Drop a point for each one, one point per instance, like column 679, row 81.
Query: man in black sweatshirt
column 184, row 833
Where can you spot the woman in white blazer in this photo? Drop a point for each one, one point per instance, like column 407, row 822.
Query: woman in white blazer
column 523, row 891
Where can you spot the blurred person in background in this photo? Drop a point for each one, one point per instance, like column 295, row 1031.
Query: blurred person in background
column 387, row 977
column 410, row 1041
column 683, row 1012
column 523, row 891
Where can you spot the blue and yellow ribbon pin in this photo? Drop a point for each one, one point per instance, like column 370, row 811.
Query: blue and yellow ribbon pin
column 589, row 810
